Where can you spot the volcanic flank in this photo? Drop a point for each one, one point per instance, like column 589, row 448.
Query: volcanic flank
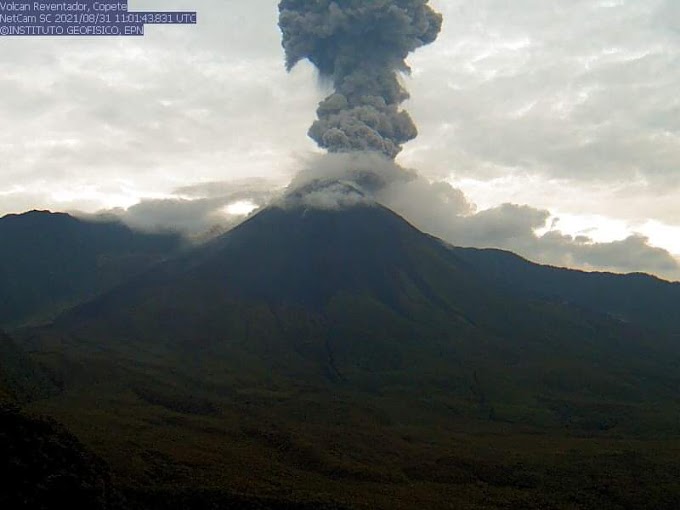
column 360, row 46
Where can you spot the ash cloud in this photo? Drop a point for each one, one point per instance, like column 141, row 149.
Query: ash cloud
column 360, row 46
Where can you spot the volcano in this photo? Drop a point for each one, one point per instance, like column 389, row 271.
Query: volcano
column 345, row 295
column 322, row 348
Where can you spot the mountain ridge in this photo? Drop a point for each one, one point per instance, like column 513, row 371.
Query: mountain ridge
column 351, row 293
column 635, row 297
column 51, row 261
column 343, row 355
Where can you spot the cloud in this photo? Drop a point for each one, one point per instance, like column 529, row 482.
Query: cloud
column 181, row 105
column 360, row 48
column 575, row 97
column 336, row 181
column 197, row 209
column 258, row 189
column 578, row 90
column 438, row 208
column 186, row 216
column 516, row 228
column 570, row 89
column 630, row 254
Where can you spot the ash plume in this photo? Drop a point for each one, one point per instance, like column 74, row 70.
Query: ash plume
column 361, row 46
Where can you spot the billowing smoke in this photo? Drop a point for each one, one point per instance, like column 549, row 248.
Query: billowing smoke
column 361, row 46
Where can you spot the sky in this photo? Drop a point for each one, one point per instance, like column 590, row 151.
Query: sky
column 548, row 128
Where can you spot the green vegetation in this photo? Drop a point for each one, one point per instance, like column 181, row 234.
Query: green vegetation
column 21, row 379
column 44, row 467
column 49, row 262
column 635, row 298
column 343, row 359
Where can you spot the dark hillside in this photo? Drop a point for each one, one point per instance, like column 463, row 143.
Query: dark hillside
column 49, row 262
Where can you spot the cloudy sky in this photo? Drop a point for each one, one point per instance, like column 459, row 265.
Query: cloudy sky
column 551, row 128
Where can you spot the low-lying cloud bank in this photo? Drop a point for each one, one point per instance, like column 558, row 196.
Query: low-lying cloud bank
column 341, row 180
column 442, row 210
column 199, row 210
